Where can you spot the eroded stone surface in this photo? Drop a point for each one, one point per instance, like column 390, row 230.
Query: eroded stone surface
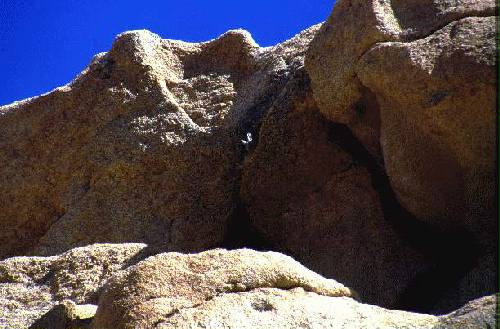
column 144, row 146
column 479, row 313
column 351, row 30
column 248, row 289
column 438, row 110
column 307, row 196
column 157, row 141
column 296, row 308
column 31, row 286
column 153, row 290
column 67, row 315
column 416, row 83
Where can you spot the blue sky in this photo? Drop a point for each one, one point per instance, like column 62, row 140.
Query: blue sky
column 45, row 44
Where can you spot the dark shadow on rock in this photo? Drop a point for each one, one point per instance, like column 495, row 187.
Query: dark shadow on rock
column 61, row 317
column 450, row 256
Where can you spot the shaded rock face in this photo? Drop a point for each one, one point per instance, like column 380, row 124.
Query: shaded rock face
column 479, row 313
column 438, row 108
column 67, row 315
column 416, row 84
column 352, row 29
column 144, row 145
column 438, row 132
column 327, row 209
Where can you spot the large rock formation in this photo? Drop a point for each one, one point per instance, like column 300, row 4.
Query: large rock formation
column 432, row 70
column 310, row 196
column 437, row 99
column 438, row 108
column 416, row 83
column 364, row 148
column 213, row 289
column 352, row 29
column 248, row 289
column 144, row 145
column 31, row 286
column 152, row 292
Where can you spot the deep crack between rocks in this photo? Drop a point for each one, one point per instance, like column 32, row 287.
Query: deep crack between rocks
column 451, row 259
column 409, row 38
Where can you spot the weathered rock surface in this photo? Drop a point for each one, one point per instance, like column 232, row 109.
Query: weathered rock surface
column 352, row 29
column 416, row 83
column 296, row 308
column 435, row 89
column 31, row 286
column 372, row 164
column 438, row 108
column 479, row 313
column 144, row 145
column 149, row 293
column 248, row 289
column 213, row 289
column 67, row 315
column 309, row 197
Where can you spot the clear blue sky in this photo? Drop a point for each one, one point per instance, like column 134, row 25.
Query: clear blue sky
column 45, row 44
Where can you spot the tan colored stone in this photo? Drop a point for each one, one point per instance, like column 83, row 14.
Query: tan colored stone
column 249, row 289
column 213, row 289
column 352, row 29
column 31, row 286
column 67, row 315
column 438, row 114
column 295, row 308
column 415, row 81
column 273, row 308
column 21, row 305
column 155, row 289
column 143, row 146
column 307, row 196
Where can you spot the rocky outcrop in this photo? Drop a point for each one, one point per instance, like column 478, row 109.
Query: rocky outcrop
column 248, row 289
column 438, row 132
column 438, row 107
column 309, row 196
column 351, row 30
column 416, row 84
column 364, row 148
column 212, row 289
column 434, row 81
column 151, row 292
column 145, row 144
column 32, row 286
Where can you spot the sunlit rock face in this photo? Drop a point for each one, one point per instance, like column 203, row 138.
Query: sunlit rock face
column 143, row 146
column 30, row 287
column 361, row 153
